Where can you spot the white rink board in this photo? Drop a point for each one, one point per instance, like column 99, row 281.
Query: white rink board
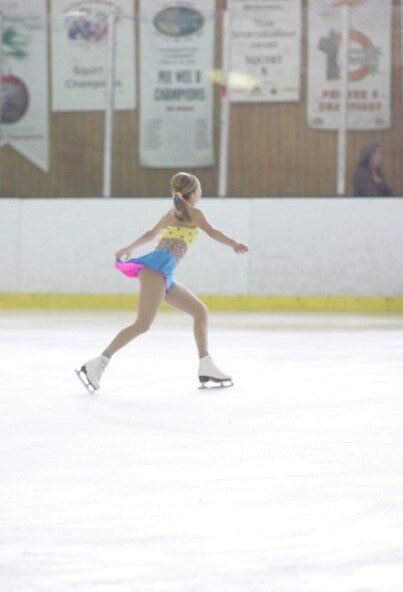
column 327, row 247
column 333, row 247
column 10, row 245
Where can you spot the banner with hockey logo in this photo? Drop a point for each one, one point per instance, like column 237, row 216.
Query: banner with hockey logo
column 79, row 54
column 177, row 61
column 370, row 64
column 265, row 50
column 24, row 80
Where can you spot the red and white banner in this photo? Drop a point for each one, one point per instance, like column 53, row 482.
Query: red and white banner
column 24, row 83
column 369, row 85
column 265, row 50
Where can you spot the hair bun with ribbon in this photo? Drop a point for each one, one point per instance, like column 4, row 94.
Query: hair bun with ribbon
column 176, row 196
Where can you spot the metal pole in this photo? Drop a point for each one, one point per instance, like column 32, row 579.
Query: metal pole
column 225, row 105
column 110, row 104
column 344, row 73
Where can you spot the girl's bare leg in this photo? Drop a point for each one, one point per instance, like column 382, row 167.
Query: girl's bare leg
column 152, row 293
column 180, row 297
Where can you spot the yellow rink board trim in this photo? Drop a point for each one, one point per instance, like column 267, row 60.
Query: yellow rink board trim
column 215, row 303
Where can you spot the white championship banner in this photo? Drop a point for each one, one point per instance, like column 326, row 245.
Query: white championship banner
column 265, row 50
column 24, row 84
column 177, row 61
column 369, row 84
column 79, row 54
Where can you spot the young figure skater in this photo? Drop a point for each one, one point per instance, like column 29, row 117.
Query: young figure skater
column 155, row 271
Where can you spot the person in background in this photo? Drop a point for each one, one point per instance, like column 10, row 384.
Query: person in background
column 368, row 178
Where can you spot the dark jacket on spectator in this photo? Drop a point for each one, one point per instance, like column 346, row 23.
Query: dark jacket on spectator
column 365, row 186
column 364, row 183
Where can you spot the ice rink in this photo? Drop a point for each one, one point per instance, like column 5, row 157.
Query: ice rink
column 291, row 481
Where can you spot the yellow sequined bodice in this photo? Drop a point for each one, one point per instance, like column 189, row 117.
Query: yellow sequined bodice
column 177, row 239
column 186, row 234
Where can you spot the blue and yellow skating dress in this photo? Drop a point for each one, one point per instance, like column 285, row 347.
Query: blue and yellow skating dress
column 172, row 247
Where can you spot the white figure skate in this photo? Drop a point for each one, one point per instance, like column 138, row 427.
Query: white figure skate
column 91, row 372
column 208, row 372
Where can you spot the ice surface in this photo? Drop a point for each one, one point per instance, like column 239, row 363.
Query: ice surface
column 292, row 481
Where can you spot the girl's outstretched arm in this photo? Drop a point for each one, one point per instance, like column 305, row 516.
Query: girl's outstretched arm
column 145, row 238
column 217, row 235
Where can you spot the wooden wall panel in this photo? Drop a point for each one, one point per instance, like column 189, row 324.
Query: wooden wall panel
column 272, row 151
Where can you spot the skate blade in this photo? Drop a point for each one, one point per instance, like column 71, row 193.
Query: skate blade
column 88, row 386
column 219, row 384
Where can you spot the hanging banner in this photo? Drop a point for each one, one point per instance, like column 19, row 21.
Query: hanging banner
column 177, row 60
column 24, row 81
column 79, row 54
column 265, row 50
column 401, row 44
column 370, row 44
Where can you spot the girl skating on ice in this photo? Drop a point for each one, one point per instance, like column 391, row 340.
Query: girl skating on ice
column 179, row 228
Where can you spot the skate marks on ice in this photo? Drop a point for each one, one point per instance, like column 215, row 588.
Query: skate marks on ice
column 153, row 404
column 290, row 482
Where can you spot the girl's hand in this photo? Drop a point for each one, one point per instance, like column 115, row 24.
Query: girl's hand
column 123, row 252
column 239, row 248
